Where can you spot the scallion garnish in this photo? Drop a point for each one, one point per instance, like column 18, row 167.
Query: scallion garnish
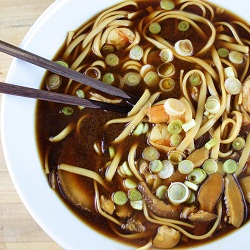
column 120, row 198
column 230, row 166
column 175, row 140
column 150, row 153
column 108, row 78
column 155, row 166
column 195, row 79
column 151, row 79
column 67, row 111
column 175, row 127
column 238, row 143
column 233, row 86
column 134, row 195
column 154, row 28
column 197, row 176
column 161, row 192
column 53, row 82
column 132, row 78
column 223, row 52
column 186, row 166
column 167, row 4
column 167, row 170
column 112, row 60
column 210, row 166
column 136, row 53
column 236, row 57
column 178, row 193
column 183, row 26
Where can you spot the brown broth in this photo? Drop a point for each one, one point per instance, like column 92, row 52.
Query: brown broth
column 78, row 150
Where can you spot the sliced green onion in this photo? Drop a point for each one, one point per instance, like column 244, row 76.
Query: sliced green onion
column 154, row 28
column 175, row 127
column 166, row 55
column 138, row 130
column 229, row 72
column 120, row 198
column 211, row 143
column 178, row 193
column 151, row 79
column 161, row 192
column 125, row 170
column 212, row 104
column 191, row 198
column 167, row 4
column 111, row 152
column 223, row 52
column 175, row 140
column 112, row 60
column 108, row 78
column 233, row 86
column 53, row 82
column 210, row 166
column 167, row 84
column 80, row 93
column 184, row 47
column 137, row 205
column 195, row 79
column 67, row 111
column 150, row 153
column 197, row 176
column 167, row 170
column 230, row 166
column 129, row 183
column 183, row 26
column 174, row 157
column 155, row 166
column 134, row 195
column 238, row 143
column 191, row 185
column 107, row 49
column 132, row 78
column 186, row 166
column 188, row 125
column 236, row 57
column 136, row 53
column 145, row 128
column 62, row 63
column 174, row 107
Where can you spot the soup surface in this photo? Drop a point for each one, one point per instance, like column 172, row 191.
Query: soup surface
column 173, row 172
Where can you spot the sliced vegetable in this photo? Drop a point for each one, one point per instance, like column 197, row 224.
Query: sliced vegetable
column 167, row 169
column 151, row 78
column 80, row 93
column 174, row 107
column 166, row 55
column 212, row 104
column 229, row 72
column 236, row 57
column 108, row 78
column 154, row 28
column 167, row 4
column 167, row 84
column 230, row 166
column 185, row 166
column 107, row 49
column 238, row 143
column 188, row 125
column 195, row 79
column 166, row 69
column 211, row 143
column 197, row 176
column 178, row 193
column 233, row 86
column 184, row 47
column 137, row 205
column 175, row 127
column 155, row 166
column 53, row 82
column 132, row 78
column 175, row 140
column 67, row 111
column 120, row 198
column 210, row 166
column 223, row 52
column 136, row 53
column 129, row 183
column 150, row 153
column 134, row 195
column 112, row 60
column 161, row 191
column 183, row 26
column 63, row 63
column 191, row 185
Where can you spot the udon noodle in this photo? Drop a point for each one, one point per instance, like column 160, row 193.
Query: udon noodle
column 174, row 171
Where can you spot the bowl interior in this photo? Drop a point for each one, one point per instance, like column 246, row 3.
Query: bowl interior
column 19, row 139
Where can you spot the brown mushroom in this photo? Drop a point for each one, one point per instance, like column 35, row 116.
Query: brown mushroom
column 157, row 206
column 166, row 237
column 198, row 156
column 202, row 216
column 134, row 225
column 210, row 192
column 75, row 189
column 235, row 202
column 245, row 186
column 107, row 205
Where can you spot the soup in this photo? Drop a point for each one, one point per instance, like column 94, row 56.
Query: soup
column 173, row 172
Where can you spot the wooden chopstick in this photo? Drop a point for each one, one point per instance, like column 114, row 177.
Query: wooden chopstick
column 17, row 90
column 63, row 71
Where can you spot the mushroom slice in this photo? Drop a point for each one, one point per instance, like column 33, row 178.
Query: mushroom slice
column 198, row 156
column 235, row 202
column 134, row 225
column 75, row 189
column 210, row 192
column 166, row 237
column 157, row 206
column 245, row 186
column 202, row 216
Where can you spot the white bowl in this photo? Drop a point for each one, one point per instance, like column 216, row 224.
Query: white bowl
column 19, row 140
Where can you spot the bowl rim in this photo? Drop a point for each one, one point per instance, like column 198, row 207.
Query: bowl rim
column 38, row 207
